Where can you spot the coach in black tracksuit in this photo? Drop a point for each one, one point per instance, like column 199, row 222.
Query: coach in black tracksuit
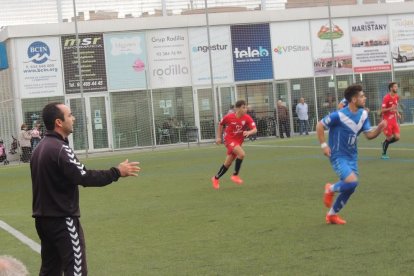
column 56, row 173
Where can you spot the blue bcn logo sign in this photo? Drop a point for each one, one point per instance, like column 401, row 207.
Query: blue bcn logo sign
column 38, row 52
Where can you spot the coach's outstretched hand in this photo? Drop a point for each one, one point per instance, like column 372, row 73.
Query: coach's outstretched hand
column 127, row 168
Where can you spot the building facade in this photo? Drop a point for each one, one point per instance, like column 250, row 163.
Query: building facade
column 144, row 82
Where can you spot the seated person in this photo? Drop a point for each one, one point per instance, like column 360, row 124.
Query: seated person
column 3, row 155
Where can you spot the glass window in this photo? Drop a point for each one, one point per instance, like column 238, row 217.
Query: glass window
column 226, row 97
column 405, row 80
column 206, row 111
column 173, row 114
column 260, row 101
column 326, row 95
column 32, row 110
column 7, row 122
column 375, row 87
column 304, row 88
column 131, row 119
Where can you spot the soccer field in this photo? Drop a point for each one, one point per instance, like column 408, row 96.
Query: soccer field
column 169, row 220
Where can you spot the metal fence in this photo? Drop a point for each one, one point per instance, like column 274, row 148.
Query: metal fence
column 153, row 117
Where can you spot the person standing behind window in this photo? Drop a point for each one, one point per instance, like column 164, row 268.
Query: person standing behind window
column 252, row 113
column 282, row 115
column 25, row 144
column 302, row 112
column 36, row 136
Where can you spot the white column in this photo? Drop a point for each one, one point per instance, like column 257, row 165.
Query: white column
column 59, row 10
column 164, row 7
column 263, row 5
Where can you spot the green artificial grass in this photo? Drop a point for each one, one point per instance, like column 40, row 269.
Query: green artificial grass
column 169, row 220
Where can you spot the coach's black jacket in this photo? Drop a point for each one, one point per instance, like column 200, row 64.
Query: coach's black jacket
column 56, row 174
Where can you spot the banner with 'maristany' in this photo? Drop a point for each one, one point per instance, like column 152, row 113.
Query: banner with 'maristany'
column 370, row 44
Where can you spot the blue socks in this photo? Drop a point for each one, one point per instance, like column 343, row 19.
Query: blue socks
column 346, row 190
column 343, row 186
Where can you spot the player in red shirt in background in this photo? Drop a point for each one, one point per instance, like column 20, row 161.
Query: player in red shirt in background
column 236, row 129
column 390, row 114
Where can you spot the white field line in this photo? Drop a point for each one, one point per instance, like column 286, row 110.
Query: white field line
column 21, row 237
column 317, row 147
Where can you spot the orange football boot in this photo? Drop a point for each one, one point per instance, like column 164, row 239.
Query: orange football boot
column 328, row 196
column 334, row 219
column 215, row 182
column 236, row 179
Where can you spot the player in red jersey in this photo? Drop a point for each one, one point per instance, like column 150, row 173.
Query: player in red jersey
column 236, row 129
column 390, row 114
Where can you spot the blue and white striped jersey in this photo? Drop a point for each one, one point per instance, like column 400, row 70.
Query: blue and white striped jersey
column 344, row 127
column 344, row 102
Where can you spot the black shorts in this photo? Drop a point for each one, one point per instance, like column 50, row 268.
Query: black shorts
column 63, row 246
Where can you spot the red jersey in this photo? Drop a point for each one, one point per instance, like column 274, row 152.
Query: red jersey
column 388, row 102
column 235, row 127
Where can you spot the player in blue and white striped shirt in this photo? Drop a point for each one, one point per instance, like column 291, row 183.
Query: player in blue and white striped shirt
column 343, row 103
column 344, row 127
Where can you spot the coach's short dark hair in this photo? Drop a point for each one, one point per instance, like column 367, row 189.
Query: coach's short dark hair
column 50, row 113
column 351, row 91
column 240, row 103
column 390, row 85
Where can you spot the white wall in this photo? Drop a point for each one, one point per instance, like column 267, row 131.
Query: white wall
column 160, row 22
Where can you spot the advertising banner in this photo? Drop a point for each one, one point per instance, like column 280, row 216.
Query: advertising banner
column 220, row 47
column 402, row 41
column 168, row 58
column 92, row 56
column 321, row 35
column 126, row 61
column 370, row 44
column 39, row 67
column 290, row 50
column 252, row 58
column 3, row 56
